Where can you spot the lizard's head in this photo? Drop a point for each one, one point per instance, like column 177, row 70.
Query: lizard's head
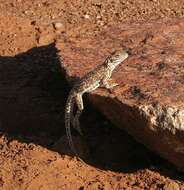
column 116, row 58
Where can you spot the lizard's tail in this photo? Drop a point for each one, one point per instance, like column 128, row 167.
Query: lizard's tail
column 68, row 113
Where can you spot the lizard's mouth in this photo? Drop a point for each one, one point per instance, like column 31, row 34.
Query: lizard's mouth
column 121, row 59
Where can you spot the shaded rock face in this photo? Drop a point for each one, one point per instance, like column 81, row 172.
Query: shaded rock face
column 149, row 101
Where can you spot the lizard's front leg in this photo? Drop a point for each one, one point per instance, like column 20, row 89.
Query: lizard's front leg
column 106, row 84
column 106, row 80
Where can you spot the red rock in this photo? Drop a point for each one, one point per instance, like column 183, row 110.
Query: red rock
column 149, row 101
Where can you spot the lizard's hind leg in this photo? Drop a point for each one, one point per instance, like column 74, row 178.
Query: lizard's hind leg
column 79, row 102
column 72, row 121
column 80, row 105
column 77, row 123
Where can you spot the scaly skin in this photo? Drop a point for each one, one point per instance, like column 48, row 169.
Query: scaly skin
column 99, row 77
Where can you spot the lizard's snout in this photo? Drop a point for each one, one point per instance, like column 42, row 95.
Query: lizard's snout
column 120, row 56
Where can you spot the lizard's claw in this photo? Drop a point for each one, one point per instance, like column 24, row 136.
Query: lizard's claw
column 110, row 86
column 113, row 85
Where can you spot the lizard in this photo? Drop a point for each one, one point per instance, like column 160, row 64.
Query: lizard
column 98, row 77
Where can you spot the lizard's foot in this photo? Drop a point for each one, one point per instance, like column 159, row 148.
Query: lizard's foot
column 109, row 86
column 113, row 85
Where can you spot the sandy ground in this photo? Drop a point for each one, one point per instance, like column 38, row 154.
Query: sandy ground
column 33, row 94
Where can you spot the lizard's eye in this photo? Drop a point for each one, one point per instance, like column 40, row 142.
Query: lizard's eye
column 117, row 57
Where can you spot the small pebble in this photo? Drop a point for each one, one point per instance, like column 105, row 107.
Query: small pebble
column 58, row 26
column 86, row 16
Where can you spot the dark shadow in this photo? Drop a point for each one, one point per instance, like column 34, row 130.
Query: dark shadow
column 32, row 92
column 32, row 99
column 115, row 150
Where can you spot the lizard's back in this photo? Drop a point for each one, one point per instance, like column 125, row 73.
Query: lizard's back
column 90, row 78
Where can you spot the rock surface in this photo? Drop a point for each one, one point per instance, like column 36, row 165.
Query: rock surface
column 149, row 101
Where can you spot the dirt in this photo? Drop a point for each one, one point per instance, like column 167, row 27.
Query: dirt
column 33, row 94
